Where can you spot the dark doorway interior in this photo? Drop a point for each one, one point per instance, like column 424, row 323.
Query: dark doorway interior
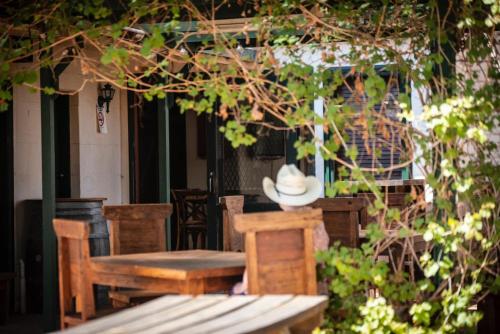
column 143, row 148
column 143, row 141
column 62, row 147
column 6, row 191
column 178, row 156
column 177, row 137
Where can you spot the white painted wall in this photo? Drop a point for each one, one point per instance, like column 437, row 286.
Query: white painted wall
column 96, row 157
column 100, row 161
column 27, row 159
column 27, row 163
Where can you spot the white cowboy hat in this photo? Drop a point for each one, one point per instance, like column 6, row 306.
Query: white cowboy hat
column 292, row 187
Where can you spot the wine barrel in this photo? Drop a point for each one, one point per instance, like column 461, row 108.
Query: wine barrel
column 89, row 210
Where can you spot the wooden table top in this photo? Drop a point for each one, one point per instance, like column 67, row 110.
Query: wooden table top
column 173, row 265
column 211, row 314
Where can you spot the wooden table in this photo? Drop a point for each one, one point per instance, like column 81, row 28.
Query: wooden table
column 214, row 314
column 184, row 272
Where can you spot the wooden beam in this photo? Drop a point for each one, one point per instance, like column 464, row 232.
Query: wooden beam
column 49, row 78
column 50, row 307
column 64, row 63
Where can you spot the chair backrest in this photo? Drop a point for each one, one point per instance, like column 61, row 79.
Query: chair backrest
column 343, row 218
column 190, row 204
column 233, row 240
column 137, row 228
column 73, row 262
column 279, row 251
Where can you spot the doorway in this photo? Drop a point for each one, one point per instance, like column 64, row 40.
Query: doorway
column 143, row 149
column 62, row 146
column 240, row 171
column 6, row 190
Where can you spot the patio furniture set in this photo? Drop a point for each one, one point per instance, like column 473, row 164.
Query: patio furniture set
column 276, row 248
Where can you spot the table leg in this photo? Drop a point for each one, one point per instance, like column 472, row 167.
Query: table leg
column 194, row 287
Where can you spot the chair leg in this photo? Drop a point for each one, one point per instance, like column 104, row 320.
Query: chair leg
column 185, row 239
column 194, row 238
column 178, row 243
column 203, row 237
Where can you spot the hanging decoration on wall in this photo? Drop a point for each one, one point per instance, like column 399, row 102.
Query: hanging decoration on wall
column 102, row 127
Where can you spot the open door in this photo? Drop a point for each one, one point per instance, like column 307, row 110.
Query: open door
column 240, row 171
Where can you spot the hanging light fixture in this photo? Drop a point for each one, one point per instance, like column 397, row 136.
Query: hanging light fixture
column 106, row 94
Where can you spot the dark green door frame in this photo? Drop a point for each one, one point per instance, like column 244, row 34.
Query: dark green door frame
column 50, row 306
column 49, row 78
column 215, row 184
column 164, row 159
column 7, row 190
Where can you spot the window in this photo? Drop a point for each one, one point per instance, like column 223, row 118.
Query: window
column 378, row 142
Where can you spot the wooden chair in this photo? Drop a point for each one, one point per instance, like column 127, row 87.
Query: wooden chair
column 191, row 210
column 279, row 251
column 136, row 228
column 342, row 218
column 233, row 240
column 75, row 287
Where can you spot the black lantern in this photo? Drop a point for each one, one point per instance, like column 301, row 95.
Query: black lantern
column 106, row 94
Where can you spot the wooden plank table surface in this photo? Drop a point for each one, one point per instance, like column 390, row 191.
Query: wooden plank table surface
column 214, row 314
column 184, row 272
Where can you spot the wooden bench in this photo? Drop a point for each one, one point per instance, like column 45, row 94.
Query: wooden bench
column 214, row 314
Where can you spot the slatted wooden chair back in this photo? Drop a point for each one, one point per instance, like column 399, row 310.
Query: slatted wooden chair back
column 343, row 218
column 190, row 204
column 75, row 288
column 137, row 228
column 233, row 240
column 191, row 216
column 279, row 251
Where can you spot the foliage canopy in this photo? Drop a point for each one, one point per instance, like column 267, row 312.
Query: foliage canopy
column 269, row 67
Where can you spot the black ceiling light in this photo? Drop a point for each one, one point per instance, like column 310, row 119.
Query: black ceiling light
column 106, row 94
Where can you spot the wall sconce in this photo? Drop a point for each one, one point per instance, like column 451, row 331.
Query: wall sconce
column 106, row 94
